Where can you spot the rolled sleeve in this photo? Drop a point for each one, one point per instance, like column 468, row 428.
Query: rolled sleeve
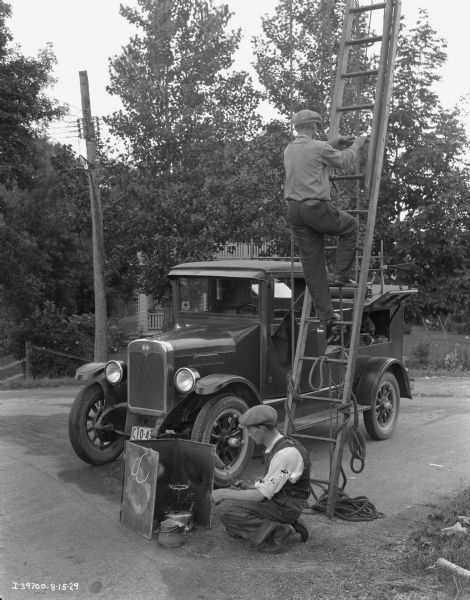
column 339, row 159
column 286, row 465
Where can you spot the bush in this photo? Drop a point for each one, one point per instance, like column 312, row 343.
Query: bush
column 52, row 329
column 422, row 352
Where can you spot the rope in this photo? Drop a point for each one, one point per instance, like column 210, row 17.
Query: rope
column 359, row 508
column 357, row 441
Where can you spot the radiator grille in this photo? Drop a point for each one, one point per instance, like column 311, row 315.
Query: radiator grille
column 147, row 375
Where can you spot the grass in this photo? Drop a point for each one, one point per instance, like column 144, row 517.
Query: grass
column 448, row 352
column 44, row 382
column 427, row 545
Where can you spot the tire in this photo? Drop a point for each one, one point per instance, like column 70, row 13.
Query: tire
column 382, row 417
column 216, row 423
column 94, row 446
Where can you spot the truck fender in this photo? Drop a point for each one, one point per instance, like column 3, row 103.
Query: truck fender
column 89, row 371
column 93, row 374
column 218, row 381
column 369, row 370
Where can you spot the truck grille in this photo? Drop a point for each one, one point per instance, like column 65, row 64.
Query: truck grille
column 147, row 376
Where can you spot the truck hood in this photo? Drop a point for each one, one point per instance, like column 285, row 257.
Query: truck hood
column 224, row 337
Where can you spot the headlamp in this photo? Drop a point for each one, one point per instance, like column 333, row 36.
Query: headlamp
column 114, row 372
column 185, row 379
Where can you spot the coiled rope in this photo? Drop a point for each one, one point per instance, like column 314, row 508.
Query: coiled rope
column 359, row 508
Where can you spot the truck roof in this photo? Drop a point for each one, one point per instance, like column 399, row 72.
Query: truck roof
column 262, row 269
column 252, row 268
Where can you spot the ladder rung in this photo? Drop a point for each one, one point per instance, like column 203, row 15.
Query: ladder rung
column 338, row 360
column 355, row 107
column 367, row 40
column 346, row 177
column 313, row 437
column 309, row 396
column 367, row 73
column 367, row 7
column 313, row 358
column 357, row 211
column 313, row 419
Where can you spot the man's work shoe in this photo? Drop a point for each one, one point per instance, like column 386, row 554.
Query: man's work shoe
column 300, row 528
column 341, row 282
column 278, row 542
column 332, row 329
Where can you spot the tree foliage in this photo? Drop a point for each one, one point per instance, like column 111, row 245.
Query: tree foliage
column 45, row 252
column 423, row 210
column 313, row 46
column 24, row 106
column 185, row 113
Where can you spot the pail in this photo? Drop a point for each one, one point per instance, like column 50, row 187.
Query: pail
column 171, row 534
column 182, row 518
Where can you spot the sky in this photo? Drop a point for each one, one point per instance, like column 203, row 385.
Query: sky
column 85, row 33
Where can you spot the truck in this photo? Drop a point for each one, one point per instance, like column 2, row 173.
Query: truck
column 230, row 348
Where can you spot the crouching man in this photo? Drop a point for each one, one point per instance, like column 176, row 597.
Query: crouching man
column 266, row 514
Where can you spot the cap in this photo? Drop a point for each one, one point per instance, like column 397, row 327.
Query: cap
column 258, row 415
column 306, row 116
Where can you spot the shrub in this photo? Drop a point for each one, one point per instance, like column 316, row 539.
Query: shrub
column 52, row 329
column 422, row 351
column 451, row 360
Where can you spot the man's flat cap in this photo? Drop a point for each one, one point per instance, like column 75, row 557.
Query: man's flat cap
column 258, row 415
column 306, row 116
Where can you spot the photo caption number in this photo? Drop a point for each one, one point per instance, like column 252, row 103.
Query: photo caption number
column 54, row 587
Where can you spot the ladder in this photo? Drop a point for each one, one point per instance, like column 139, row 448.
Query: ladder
column 339, row 395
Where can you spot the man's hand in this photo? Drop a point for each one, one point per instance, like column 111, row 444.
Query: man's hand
column 219, row 495
column 242, row 485
column 361, row 140
column 341, row 141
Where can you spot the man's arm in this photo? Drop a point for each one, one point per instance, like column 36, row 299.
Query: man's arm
column 340, row 159
column 251, row 495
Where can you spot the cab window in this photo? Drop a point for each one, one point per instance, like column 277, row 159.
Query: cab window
column 222, row 295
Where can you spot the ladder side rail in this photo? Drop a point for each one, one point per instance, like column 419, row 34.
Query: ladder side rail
column 298, row 361
column 343, row 55
column 384, row 65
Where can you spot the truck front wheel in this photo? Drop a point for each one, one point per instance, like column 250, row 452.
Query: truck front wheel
column 217, row 424
column 92, row 439
column 382, row 417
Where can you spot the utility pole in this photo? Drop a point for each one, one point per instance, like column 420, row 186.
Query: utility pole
column 101, row 317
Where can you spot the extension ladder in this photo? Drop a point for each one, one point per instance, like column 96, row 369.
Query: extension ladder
column 340, row 395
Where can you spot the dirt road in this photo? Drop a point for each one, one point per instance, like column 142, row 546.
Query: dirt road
column 60, row 517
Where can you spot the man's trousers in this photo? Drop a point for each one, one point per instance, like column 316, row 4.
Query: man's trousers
column 255, row 521
column 310, row 221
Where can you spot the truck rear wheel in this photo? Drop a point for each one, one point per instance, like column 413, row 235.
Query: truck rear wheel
column 217, row 424
column 382, row 417
column 94, row 443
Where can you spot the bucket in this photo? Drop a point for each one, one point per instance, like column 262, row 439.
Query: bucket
column 171, row 534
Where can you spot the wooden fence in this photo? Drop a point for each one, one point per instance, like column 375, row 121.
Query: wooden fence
column 10, row 368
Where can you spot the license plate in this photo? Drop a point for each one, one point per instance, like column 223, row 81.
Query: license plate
column 141, row 433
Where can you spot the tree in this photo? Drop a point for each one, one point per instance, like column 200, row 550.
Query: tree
column 24, row 107
column 423, row 208
column 44, row 232
column 184, row 113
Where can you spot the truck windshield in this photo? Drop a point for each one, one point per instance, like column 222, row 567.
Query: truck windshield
column 227, row 295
